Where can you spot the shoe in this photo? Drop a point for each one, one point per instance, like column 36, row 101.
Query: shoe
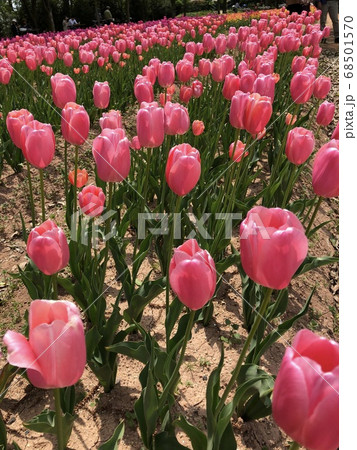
column 336, row 40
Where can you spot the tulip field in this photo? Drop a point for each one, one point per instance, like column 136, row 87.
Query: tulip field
column 169, row 235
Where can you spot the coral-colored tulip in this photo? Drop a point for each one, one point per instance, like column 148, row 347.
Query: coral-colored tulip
column 198, row 127
column 183, row 169
column 82, row 177
column 166, row 74
column 290, row 119
column 272, row 234
column 302, row 86
column 236, row 151
column 299, row 145
column 305, row 399
column 177, row 120
column 192, row 275
column 111, row 153
column 48, row 248
column 322, row 87
column 91, row 200
column 75, row 123
column 101, row 94
column 38, row 143
column 111, row 119
column 150, row 125
column 257, row 113
column 325, row 170
column 55, row 353
column 325, row 113
column 231, row 85
column 14, row 122
column 63, row 90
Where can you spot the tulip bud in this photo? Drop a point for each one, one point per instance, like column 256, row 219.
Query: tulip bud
column 184, row 70
column 183, row 169
column 48, row 248
column 325, row 170
column 290, row 119
column 150, row 125
column 111, row 119
column 198, row 127
column 143, row 90
column 192, row 275
column 236, row 151
column 302, row 86
column 258, row 111
column 186, row 93
column 325, row 113
column 231, row 85
column 82, row 177
column 299, row 145
column 177, row 120
column 63, row 90
column 197, row 88
column 322, row 87
column 38, row 143
column 91, row 200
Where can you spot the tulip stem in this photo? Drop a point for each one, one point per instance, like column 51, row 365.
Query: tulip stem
column 294, row 446
column 171, row 385
column 259, row 316
column 42, row 196
column 147, row 176
column 289, row 188
column 32, row 205
column 65, row 170
column 54, row 286
column 313, row 216
column 59, row 420
column 75, row 180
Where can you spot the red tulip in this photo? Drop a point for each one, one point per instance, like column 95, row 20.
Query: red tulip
column 91, row 200
column 272, row 234
column 183, row 169
column 38, row 143
column 236, row 151
column 111, row 153
column 325, row 170
column 150, row 125
column 48, row 248
column 198, row 127
column 192, row 275
column 305, row 399
column 82, row 177
column 14, row 122
column 302, row 86
column 101, row 94
column 111, row 119
column 55, row 353
column 322, row 87
column 75, row 123
column 166, row 74
column 299, row 145
column 325, row 113
column 63, row 90
column 177, row 120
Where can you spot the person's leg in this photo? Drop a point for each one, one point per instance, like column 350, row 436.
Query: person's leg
column 324, row 9
column 333, row 12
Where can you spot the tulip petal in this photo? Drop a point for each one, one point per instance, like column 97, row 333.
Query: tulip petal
column 20, row 353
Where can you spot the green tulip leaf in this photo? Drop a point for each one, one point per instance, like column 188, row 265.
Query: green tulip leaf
column 197, row 437
column 112, row 443
column 165, row 441
column 3, row 435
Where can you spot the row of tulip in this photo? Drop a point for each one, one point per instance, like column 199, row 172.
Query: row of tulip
column 240, row 131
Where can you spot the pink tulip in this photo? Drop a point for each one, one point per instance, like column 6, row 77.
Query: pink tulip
column 198, row 127
column 221, row 44
column 101, row 94
column 290, row 119
column 63, row 89
column 75, row 123
column 272, row 234
column 305, row 398
column 238, row 105
column 325, row 170
column 38, row 143
column 302, row 86
column 177, row 120
column 204, row 67
column 111, row 153
column 336, row 132
column 208, row 43
column 299, row 145
column 55, row 353
column 247, row 80
column 325, row 113
column 150, row 125
column 236, row 151
column 184, row 70
column 48, row 248
column 183, row 169
column 150, row 73
column 186, row 93
column 192, row 275
column 111, row 119
column 231, row 85
column 218, row 70
column 68, row 59
column 322, row 87
column 14, row 122
column 31, row 63
column 298, row 64
column 135, row 143
column 143, row 90
column 166, row 74
column 197, row 89
column 5, row 75
column 257, row 113
column 91, row 200
column 265, row 85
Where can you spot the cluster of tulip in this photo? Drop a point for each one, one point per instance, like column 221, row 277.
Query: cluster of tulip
column 232, row 88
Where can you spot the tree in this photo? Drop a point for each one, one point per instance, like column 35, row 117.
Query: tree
column 48, row 8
